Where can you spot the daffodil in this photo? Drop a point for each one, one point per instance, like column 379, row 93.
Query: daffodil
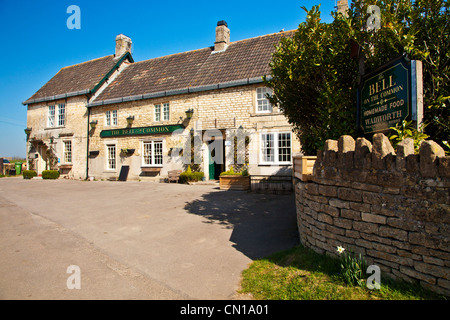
column 340, row 249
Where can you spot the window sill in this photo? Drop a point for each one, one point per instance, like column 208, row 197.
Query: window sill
column 58, row 127
column 274, row 164
column 151, row 169
column 262, row 114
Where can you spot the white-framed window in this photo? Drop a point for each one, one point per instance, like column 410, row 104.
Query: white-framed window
column 51, row 116
column 111, row 118
column 152, row 154
column 157, row 112
column 67, row 154
column 262, row 103
column 166, row 112
column 56, row 116
column 111, row 163
column 61, row 114
column 162, row 112
column 276, row 148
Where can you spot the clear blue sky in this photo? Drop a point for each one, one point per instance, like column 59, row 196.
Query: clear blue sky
column 36, row 43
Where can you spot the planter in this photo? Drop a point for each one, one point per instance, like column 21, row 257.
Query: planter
column 127, row 152
column 234, row 182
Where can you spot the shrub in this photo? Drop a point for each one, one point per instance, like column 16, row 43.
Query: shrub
column 231, row 172
column 189, row 176
column 29, row 174
column 50, row 174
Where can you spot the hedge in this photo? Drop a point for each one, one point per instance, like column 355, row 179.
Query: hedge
column 50, row 174
column 29, row 174
column 186, row 177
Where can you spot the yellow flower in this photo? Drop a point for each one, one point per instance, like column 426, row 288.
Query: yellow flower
column 340, row 249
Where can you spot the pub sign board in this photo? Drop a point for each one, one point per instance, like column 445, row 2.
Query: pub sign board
column 385, row 97
column 140, row 131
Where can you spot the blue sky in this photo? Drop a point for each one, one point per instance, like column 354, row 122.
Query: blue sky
column 36, row 43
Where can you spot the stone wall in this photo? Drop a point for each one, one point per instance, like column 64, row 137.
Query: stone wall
column 224, row 109
column 74, row 130
column 394, row 208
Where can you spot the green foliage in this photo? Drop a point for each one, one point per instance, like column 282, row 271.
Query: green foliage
column 353, row 268
column 29, row 174
column 315, row 78
column 404, row 130
column 231, row 172
column 189, row 176
column 50, row 174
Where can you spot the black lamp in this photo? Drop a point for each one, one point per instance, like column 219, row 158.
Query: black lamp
column 189, row 113
column 93, row 124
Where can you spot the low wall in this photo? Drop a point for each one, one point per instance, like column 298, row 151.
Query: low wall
column 394, row 208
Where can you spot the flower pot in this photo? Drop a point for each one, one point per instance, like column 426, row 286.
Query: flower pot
column 229, row 182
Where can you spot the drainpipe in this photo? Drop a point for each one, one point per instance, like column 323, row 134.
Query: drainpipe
column 87, row 143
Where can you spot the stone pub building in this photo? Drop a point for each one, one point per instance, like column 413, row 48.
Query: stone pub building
column 97, row 117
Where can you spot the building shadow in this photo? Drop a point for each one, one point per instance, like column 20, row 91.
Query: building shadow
column 262, row 224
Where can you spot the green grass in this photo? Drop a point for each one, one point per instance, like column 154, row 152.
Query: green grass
column 302, row 274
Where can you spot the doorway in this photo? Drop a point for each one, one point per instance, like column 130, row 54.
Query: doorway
column 216, row 157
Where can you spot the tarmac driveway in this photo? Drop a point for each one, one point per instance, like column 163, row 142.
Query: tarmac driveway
column 134, row 240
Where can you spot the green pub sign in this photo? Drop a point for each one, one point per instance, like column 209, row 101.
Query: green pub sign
column 385, row 97
column 140, row 131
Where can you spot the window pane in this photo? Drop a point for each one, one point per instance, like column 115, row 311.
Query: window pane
column 51, row 116
column 158, row 112
column 158, row 147
column 114, row 118
column 166, row 112
column 284, row 147
column 61, row 114
column 262, row 103
column 68, row 151
column 268, row 151
column 147, row 153
column 111, row 157
column 108, row 118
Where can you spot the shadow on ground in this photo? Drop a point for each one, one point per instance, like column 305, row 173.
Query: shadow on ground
column 262, row 223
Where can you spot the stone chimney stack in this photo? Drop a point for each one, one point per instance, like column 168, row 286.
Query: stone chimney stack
column 222, row 36
column 123, row 44
column 342, row 7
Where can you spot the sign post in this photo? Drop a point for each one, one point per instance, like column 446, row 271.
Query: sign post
column 389, row 95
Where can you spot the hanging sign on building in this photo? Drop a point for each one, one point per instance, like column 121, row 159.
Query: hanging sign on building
column 390, row 95
column 140, row 131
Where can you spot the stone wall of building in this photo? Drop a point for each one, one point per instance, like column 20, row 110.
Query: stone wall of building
column 394, row 208
column 226, row 109
column 42, row 137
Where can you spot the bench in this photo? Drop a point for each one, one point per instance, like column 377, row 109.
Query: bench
column 174, row 175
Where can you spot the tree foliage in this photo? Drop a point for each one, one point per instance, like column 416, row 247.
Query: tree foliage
column 315, row 76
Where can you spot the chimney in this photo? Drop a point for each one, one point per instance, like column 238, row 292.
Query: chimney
column 342, row 7
column 123, row 44
column 222, row 36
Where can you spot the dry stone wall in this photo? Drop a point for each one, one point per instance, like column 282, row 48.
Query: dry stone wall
column 393, row 207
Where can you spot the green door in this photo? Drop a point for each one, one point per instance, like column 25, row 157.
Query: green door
column 212, row 165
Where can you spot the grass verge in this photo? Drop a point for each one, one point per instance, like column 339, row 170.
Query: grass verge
column 302, row 274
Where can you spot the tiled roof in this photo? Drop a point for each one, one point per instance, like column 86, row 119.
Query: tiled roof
column 75, row 79
column 243, row 59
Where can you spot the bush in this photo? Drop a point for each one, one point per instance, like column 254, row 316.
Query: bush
column 50, row 174
column 29, row 174
column 189, row 176
column 231, row 172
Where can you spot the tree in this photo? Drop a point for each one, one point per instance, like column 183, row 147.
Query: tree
column 315, row 74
